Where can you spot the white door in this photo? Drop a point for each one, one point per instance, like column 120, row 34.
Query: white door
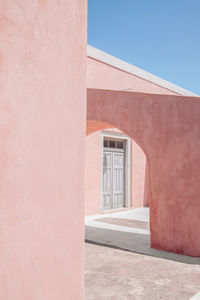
column 118, row 179
column 113, row 179
column 107, row 180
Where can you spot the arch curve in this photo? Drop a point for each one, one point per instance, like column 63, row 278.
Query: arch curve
column 136, row 170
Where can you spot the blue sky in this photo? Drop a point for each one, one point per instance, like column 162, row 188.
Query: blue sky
column 159, row 36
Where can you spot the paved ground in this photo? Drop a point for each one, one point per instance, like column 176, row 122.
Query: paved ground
column 113, row 274
column 122, row 236
column 139, row 273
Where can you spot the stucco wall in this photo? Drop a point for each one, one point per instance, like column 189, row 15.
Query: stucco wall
column 171, row 145
column 92, row 174
column 139, row 197
column 103, row 76
column 42, row 133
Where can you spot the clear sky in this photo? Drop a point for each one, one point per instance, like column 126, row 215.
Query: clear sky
column 159, row 36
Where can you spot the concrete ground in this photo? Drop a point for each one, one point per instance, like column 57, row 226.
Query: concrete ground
column 140, row 272
column 113, row 274
column 130, row 234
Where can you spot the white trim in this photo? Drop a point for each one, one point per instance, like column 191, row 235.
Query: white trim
column 107, row 149
column 124, row 66
column 128, row 173
column 101, row 170
column 114, row 135
column 127, row 187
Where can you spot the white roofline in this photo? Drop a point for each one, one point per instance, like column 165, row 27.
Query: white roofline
column 122, row 65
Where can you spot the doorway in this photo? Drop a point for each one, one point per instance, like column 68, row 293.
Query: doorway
column 115, row 172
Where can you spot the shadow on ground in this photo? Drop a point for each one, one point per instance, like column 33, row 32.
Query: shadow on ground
column 132, row 242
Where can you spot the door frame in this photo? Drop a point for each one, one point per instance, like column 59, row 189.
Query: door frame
column 127, row 167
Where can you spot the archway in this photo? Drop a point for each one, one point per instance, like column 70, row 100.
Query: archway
column 163, row 126
column 127, row 173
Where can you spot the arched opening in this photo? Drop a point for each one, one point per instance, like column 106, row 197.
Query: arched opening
column 116, row 173
column 116, row 183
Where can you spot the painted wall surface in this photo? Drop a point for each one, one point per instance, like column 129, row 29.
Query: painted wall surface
column 42, row 133
column 171, row 146
column 103, row 76
column 93, row 163
column 92, row 174
column 139, row 197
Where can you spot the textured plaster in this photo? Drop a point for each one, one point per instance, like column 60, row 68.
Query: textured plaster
column 42, row 149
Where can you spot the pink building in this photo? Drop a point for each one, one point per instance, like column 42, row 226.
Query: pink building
column 117, row 172
column 45, row 78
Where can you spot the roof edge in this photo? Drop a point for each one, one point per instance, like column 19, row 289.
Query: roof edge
column 124, row 66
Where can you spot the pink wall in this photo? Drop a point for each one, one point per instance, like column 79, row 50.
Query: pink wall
column 42, row 137
column 172, row 149
column 92, row 174
column 139, row 198
column 103, row 76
